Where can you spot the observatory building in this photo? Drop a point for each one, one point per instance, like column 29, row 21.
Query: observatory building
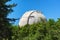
column 31, row 17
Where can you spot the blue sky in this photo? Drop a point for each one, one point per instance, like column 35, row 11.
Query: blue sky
column 50, row 8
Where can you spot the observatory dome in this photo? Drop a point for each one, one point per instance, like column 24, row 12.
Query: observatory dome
column 31, row 17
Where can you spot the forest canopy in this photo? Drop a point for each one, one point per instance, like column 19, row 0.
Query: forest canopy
column 49, row 30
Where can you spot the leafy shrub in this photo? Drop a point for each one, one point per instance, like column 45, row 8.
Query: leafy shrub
column 49, row 30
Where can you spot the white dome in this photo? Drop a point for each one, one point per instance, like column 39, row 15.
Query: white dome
column 31, row 17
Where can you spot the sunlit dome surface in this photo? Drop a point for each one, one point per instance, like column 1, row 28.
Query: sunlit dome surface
column 31, row 17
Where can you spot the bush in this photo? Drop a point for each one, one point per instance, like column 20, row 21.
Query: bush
column 49, row 30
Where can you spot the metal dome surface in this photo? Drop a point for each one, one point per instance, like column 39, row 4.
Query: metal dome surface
column 31, row 17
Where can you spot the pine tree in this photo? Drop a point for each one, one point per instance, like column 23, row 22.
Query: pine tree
column 5, row 22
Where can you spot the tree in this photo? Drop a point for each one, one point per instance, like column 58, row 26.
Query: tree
column 5, row 22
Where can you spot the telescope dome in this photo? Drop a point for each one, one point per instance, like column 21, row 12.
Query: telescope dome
column 31, row 17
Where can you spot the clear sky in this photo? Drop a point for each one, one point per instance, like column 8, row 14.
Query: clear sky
column 50, row 8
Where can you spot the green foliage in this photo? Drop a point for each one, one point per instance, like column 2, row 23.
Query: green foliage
column 49, row 30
